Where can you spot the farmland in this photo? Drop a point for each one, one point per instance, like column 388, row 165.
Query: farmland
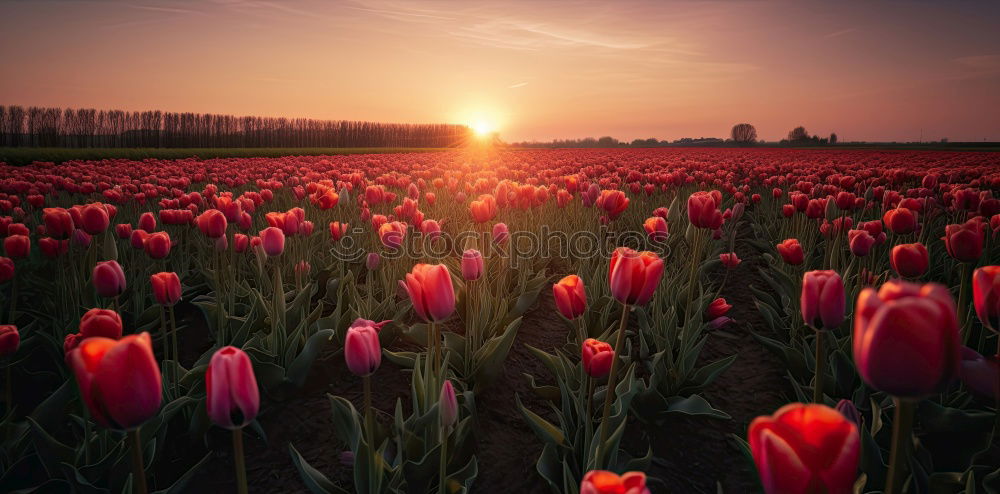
column 741, row 320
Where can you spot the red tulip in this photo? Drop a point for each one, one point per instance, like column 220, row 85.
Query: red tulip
column 147, row 222
column 104, row 323
column 730, row 259
column 613, row 202
column 500, row 233
column 472, row 265
column 372, row 261
column 94, row 218
column 906, row 340
column 571, row 297
column 986, row 295
column 448, row 405
column 900, row 220
column 805, row 449
column 964, row 241
column 392, row 234
column 119, row 380
column 58, row 222
column 703, row 209
column 656, row 228
column 272, row 239
column 822, row 301
column 166, row 288
column 10, row 339
column 596, row 357
column 338, row 230
column 6, row 269
column 17, row 246
column 157, row 245
column 138, row 239
column 240, row 242
column 633, row 276
column 483, row 209
column 123, row 230
column 909, row 260
column 430, row 228
column 212, row 223
column 717, row 309
column 605, row 482
column 791, row 251
column 431, row 292
column 108, row 279
column 860, row 242
column 231, row 389
column 53, row 248
column 362, row 350
column 980, row 374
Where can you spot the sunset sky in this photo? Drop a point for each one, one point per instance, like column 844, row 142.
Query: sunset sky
column 534, row 70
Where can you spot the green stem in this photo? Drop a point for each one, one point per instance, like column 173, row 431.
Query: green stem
column 902, row 433
column 138, row 469
column 239, row 461
column 820, row 365
column 443, row 464
column 177, row 352
column 963, row 301
column 369, row 431
column 86, row 436
column 610, row 394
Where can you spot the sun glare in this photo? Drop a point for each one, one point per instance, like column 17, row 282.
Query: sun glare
column 482, row 128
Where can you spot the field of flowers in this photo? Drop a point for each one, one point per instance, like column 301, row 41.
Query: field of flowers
column 567, row 321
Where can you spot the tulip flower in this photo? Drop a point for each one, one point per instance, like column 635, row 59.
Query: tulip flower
column 362, row 350
column 805, row 449
column 909, row 260
column 900, row 220
column 822, row 300
column 703, row 209
column 212, row 223
column 338, row 230
column 980, row 374
column 272, row 239
column 10, row 340
column 118, row 379
column 472, row 265
column 58, row 222
column 571, row 297
column 448, row 405
column 605, row 482
column 656, row 228
column 483, row 209
column 232, row 398
column 860, row 242
column 986, row 296
column 391, row 234
column 596, row 357
column 500, row 233
column 372, row 261
column 108, row 279
column 906, row 339
column 849, row 411
column 431, row 291
column 157, row 245
column 6, row 269
column 717, row 309
column 730, row 259
column 633, row 276
column 147, row 222
column 613, row 202
column 240, row 242
column 964, row 241
column 17, row 246
column 94, row 218
column 166, row 288
column 123, row 230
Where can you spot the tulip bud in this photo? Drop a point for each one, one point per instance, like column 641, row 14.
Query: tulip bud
column 472, row 265
column 791, row 251
column 147, row 222
column 986, row 295
column 212, row 223
column 717, row 309
column 500, row 233
column 17, row 246
column 596, row 357
column 909, row 260
column 730, row 259
column 633, row 276
column 571, row 297
column 362, row 349
column 6, row 269
column 240, row 243
column 822, row 301
column 964, row 242
column 372, row 261
column 906, row 340
column 10, row 339
column 431, row 291
column 103, row 323
column 703, row 209
column 272, row 239
column 231, row 395
column 94, row 218
column 605, row 482
column 157, row 245
column 166, row 288
column 448, row 405
column 849, row 411
column 119, row 381
column 656, row 228
column 900, row 220
column 805, row 448
column 108, row 279
column 860, row 242
column 58, row 222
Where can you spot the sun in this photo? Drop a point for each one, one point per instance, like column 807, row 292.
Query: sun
column 482, row 128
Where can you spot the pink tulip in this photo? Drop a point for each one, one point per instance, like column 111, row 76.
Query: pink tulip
column 362, row 349
column 431, row 291
column 231, row 389
column 472, row 265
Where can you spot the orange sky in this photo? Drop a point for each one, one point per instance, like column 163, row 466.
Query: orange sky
column 535, row 70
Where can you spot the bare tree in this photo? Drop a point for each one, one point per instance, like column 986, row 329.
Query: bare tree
column 744, row 133
column 798, row 134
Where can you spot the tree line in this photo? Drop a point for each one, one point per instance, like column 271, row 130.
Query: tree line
column 88, row 128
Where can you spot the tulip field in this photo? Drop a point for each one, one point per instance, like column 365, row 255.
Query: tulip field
column 627, row 321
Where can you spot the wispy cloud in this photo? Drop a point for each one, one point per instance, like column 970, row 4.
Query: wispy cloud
column 837, row 34
column 986, row 63
column 515, row 86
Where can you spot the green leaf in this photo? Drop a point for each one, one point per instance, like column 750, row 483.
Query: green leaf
column 543, row 428
column 299, row 368
column 315, row 481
